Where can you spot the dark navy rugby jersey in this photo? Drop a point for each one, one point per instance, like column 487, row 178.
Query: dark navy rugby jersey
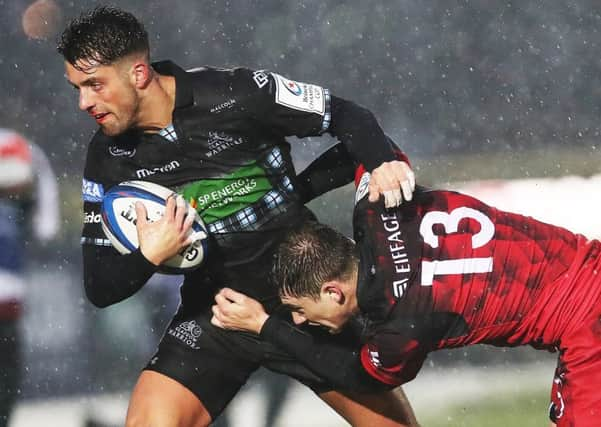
column 226, row 153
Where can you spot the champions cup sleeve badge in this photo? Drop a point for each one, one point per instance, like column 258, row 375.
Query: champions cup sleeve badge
column 300, row 96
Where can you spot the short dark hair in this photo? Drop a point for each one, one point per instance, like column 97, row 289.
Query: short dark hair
column 104, row 34
column 310, row 256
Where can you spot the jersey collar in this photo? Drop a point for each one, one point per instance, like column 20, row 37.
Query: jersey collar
column 183, row 82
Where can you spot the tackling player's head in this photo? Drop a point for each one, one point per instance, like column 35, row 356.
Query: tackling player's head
column 106, row 54
column 315, row 271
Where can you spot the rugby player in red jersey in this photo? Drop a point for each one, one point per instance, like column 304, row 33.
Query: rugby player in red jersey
column 442, row 271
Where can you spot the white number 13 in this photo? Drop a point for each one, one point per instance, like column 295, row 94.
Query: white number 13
column 450, row 222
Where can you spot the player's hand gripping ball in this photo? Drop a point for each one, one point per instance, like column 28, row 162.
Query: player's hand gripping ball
column 118, row 215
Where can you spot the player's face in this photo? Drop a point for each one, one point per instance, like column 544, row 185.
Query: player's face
column 325, row 312
column 107, row 94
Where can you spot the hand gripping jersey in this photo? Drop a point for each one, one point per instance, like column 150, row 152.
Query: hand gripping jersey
column 226, row 153
column 446, row 270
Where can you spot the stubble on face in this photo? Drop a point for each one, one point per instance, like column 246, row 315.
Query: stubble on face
column 110, row 97
column 123, row 113
column 122, row 102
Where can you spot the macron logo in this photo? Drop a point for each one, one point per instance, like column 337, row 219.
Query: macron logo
column 169, row 167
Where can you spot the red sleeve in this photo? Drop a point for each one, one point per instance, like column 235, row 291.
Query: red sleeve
column 393, row 370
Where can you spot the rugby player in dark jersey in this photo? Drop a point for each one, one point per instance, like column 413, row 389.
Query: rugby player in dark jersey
column 217, row 137
column 444, row 270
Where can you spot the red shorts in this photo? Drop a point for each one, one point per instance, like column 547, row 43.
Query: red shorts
column 576, row 392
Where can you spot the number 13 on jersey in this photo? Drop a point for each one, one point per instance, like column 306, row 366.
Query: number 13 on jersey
column 450, row 222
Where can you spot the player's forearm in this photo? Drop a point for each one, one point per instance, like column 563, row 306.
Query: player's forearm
column 320, row 356
column 358, row 129
column 332, row 169
column 110, row 277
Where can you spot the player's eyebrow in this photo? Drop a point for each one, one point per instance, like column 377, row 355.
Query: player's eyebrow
column 86, row 82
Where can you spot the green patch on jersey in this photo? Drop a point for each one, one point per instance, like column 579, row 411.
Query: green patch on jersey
column 218, row 198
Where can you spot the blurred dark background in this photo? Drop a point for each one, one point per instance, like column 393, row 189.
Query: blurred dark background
column 442, row 76
column 473, row 79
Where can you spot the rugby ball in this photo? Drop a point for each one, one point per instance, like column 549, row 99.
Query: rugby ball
column 118, row 218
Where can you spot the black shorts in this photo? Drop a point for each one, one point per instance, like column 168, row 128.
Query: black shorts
column 214, row 363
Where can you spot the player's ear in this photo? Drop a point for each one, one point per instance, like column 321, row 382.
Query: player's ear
column 141, row 74
column 333, row 291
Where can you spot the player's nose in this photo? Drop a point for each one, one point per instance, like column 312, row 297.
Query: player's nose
column 298, row 319
column 85, row 102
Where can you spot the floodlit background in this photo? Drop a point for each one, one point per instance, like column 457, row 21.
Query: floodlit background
column 500, row 99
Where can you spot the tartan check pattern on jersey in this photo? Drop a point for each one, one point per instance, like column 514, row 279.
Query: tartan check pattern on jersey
column 168, row 132
column 273, row 202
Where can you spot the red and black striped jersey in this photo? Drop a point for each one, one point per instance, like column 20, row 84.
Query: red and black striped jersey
column 446, row 270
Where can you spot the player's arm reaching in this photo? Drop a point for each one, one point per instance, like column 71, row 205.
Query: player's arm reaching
column 362, row 370
column 335, row 168
column 359, row 131
column 301, row 109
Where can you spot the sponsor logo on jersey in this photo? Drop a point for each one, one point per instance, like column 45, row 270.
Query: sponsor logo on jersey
column 374, row 357
column 223, row 106
column 362, row 187
column 187, row 332
column 219, row 142
column 91, row 218
column 398, row 253
column 215, row 199
column 557, row 406
column 92, row 191
column 261, row 78
column 226, row 195
column 121, row 152
column 169, row 167
column 300, row 96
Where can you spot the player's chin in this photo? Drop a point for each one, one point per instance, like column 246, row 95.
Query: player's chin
column 112, row 129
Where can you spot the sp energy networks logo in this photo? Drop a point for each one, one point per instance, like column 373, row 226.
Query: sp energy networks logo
column 215, row 199
column 187, row 332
